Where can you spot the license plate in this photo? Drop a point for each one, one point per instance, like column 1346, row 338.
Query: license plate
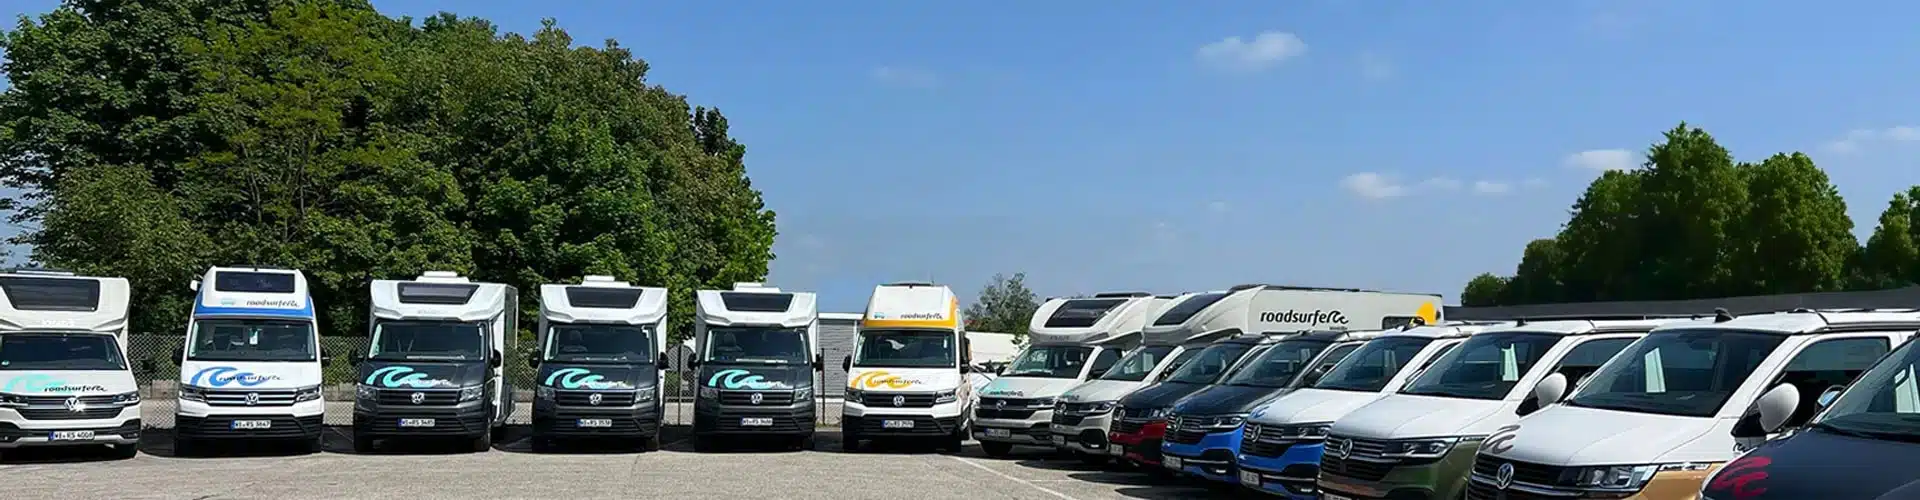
column 1116, row 450
column 1251, row 479
column 1170, row 462
column 416, row 422
column 1059, row 440
column 1329, row 496
column 70, row 436
column 896, row 424
column 757, row 422
column 595, row 422
column 252, row 424
column 999, row 433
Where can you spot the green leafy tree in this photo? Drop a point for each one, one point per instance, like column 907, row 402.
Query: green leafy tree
column 1692, row 197
column 1537, row 280
column 1483, row 290
column 1005, row 305
column 1891, row 257
column 1600, row 245
column 1796, row 236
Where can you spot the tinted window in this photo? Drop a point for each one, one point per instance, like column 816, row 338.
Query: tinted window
column 590, row 343
column 1210, row 364
column 251, row 340
column 56, row 351
column 1137, row 364
column 1688, row 372
column 51, row 294
column 905, row 349
column 1104, row 361
column 1081, row 313
column 757, row 345
column 1277, row 365
column 429, row 340
column 754, row 302
column 1392, row 322
column 1486, row 366
column 435, row 293
column 601, row 297
column 1588, row 356
column 1885, row 401
column 1184, row 310
column 1369, row 368
column 253, row 282
column 1828, row 363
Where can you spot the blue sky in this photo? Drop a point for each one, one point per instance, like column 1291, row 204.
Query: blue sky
column 1172, row 146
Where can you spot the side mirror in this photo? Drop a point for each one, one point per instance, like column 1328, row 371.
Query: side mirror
column 1551, row 389
column 665, row 360
column 846, row 363
column 819, row 362
column 533, row 359
column 356, row 358
column 147, row 365
column 179, row 354
column 326, row 358
column 1832, row 393
column 493, row 359
column 194, row 285
column 1769, row 413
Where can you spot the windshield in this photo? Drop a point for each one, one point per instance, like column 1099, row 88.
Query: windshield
column 1884, row 403
column 1277, row 366
column 906, row 349
column 1207, row 367
column 1369, row 368
column 1677, row 372
column 1486, row 366
column 600, row 343
column 60, row 351
column 1053, row 361
column 1138, row 364
column 428, row 340
column 251, row 340
column 757, row 345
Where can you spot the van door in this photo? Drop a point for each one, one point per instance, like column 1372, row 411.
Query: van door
column 1828, row 361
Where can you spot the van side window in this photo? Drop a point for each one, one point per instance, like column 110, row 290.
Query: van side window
column 1333, row 357
column 1824, row 364
column 1437, row 355
column 1587, row 357
column 1103, row 362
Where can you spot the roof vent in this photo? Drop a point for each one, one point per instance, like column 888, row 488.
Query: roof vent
column 39, row 271
column 442, row 277
column 1720, row 315
column 754, row 286
column 910, row 283
column 1120, row 295
column 603, row 281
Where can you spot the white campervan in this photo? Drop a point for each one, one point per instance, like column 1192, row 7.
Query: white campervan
column 433, row 366
column 756, row 358
column 601, row 357
column 1084, row 414
column 1421, row 439
column 64, row 375
column 1068, row 340
column 1659, row 418
column 907, row 375
column 1245, row 309
column 251, row 366
column 1281, row 444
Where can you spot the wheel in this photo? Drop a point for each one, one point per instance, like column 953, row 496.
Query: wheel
column 806, row 443
column 483, row 443
column 125, row 451
column 184, row 446
column 317, row 444
column 849, row 441
column 362, row 443
column 996, row 449
column 650, row 443
column 957, row 442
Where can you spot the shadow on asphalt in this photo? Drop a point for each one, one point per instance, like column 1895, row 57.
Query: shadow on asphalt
column 58, row 455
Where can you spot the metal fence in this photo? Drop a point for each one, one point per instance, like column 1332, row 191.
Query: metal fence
column 156, row 369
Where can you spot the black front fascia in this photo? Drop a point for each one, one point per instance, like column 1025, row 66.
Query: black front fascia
column 414, row 398
column 596, row 399
column 754, row 398
column 1815, row 464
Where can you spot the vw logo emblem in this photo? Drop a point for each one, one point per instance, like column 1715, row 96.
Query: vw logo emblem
column 756, row 398
column 899, row 400
column 418, row 397
column 1000, row 405
column 1504, row 477
column 253, row 398
column 1344, row 449
column 73, row 404
column 594, row 399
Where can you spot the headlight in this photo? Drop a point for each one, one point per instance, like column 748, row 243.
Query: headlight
column 645, row 395
column 1044, row 402
column 1419, row 448
column 306, row 394
column 359, row 392
column 803, row 394
column 1221, row 422
column 191, row 393
column 1159, row 413
column 1102, row 407
column 12, row 401
column 130, row 398
column 1290, row 433
column 1614, row 477
column 472, row 393
column 946, row 396
column 852, row 396
column 709, row 393
column 542, row 392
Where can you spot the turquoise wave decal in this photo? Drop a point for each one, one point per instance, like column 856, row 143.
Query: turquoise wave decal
column 739, row 379
column 576, row 378
column 404, row 376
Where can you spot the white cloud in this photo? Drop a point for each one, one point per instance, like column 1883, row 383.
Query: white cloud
column 1376, row 67
column 1602, row 160
column 905, row 77
column 1378, row 186
column 1373, row 186
column 1860, row 138
column 1491, row 187
column 1264, row 51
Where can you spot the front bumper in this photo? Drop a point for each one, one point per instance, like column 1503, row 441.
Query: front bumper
column 1084, row 433
column 1032, row 432
column 199, row 420
column 1211, row 458
column 1443, row 478
column 640, row 420
column 1139, row 441
column 471, row 420
column 710, row 417
column 18, row 432
column 1290, row 471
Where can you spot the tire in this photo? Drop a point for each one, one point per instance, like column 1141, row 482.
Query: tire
column 125, row 451
column 650, row 443
column 362, row 443
column 849, row 441
column 958, row 441
column 996, row 449
column 806, row 443
column 317, row 444
column 483, row 443
column 184, row 446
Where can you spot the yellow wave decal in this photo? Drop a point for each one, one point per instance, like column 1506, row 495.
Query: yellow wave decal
column 952, row 320
column 1429, row 313
column 877, row 379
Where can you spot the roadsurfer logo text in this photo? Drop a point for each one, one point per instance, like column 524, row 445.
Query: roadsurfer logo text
column 46, row 383
column 923, row 315
column 222, row 376
column 273, row 303
column 878, row 379
column 1315, row 317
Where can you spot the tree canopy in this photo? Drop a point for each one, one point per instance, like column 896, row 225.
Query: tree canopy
column 1693, row 223
column 152, row 140
column 1005, row 305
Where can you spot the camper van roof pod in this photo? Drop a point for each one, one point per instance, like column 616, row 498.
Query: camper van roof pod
column 1090, row 320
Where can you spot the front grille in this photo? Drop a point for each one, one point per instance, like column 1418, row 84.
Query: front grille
column 783, row 422
column 1265, row 449
column 221, row 427
column 89, row 413
column 1357, row 469
column 429, row 397
column 585, row 398
column 1185, row 436
column 447, row 422
column 1523, row 472
column 272, row 397
column 1362, row 448
column 1128, row 426
column 1482, row 491
column 1065, row 419
column 873, row 425
column 61, row 401
column 1137, row 414
column 1007, row 414
column 1264, row 441
column 767, row 398
column 1186, row 430
column 567, row 424
column 899, row 399
column 10, row 433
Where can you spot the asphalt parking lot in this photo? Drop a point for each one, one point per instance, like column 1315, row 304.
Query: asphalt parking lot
column 511, row 470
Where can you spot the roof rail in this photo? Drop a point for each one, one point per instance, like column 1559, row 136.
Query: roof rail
column 1121, row 295
column 1237, row 288
column 909, row 283
column 40, row 271
column 1602, row 317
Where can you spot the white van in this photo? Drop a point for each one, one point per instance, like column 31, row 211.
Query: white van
column 251, row 366
column 756, row 356
column 1662, row 416
column 906, row 377
column 63, row 345
column 1421, row 440
column 1084, row 415
column 434, row 366
column 1281, row 444
column 1068, row 340
column 599, row 364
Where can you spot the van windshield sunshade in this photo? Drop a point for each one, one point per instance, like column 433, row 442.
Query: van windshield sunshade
column 252, row 282
column 756, row 302
column 436, row 293
column 1081, row 313
column 51, row 294
column 1185, row 310
column 602, row 298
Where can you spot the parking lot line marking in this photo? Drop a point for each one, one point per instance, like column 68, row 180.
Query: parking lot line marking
column 1011, row 478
